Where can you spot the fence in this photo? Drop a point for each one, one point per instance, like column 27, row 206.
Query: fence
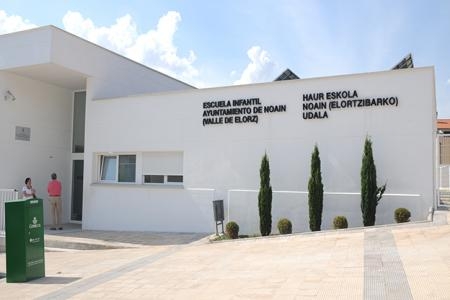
column 444, row 176
column 242, row 207
column 5, row 195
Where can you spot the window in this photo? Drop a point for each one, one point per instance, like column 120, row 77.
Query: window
column 127, row 168
column 174, row 178
column 163, row 179
column 153, row 168
column 162, row 168
column 153, row 178
column 118, row 168
column 108, row 168
column 79, row 115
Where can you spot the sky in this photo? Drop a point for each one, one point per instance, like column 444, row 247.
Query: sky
column 216, row 43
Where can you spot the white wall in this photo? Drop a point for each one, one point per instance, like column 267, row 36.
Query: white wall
column 25, row 48
column 243, row 209
column 111, row 75
column 111, row 207
column 227, row 157
column 46, row 109
column 49, row 54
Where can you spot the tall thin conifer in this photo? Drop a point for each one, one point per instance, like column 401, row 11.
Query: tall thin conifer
column 315, row 192
column 370, row 193
column 265, row 198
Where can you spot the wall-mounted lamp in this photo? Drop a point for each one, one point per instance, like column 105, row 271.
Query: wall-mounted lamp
column 9, row 96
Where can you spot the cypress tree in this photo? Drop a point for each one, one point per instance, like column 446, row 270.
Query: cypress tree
column 370, row 193
column 265, row 198
column 315, row 192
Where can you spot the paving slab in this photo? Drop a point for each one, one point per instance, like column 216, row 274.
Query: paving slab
column 409, row 261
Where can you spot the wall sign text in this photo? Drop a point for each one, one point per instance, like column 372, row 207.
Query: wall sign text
column 236, row 111
column 319, row 105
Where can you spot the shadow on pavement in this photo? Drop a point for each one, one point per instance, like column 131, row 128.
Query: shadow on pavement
column 130, row 237
column 54, row 280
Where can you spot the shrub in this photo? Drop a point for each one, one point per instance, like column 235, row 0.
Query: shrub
column 402, row 215
column 315, row 192
column 265, row 198
column 370, row 193
column 232, row 230
column 340, row 222
column 284, row 226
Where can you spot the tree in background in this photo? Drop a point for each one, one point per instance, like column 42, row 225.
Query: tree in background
column 370, row 193
column 315, row 192
column 265, row 198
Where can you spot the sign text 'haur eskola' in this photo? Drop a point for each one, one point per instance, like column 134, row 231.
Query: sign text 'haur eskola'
column 319, row 105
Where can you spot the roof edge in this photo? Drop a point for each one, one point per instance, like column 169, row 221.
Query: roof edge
column 55, row 28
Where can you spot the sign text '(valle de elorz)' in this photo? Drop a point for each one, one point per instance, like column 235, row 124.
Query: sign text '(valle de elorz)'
column 319, row 105
column 236, row 111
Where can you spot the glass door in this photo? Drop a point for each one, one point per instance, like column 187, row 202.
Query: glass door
column 77, row 190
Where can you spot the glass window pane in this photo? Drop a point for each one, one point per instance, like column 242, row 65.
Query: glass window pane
column 108, row 171
column 175, row 178
column 153, row 178
column 127, row 168
column 79, row 112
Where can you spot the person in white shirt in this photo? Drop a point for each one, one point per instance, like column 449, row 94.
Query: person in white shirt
column 28, row 192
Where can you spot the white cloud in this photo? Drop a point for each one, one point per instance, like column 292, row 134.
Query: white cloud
column 261, row 67
column 154, row 48
column 13, row 23
column 448, row 81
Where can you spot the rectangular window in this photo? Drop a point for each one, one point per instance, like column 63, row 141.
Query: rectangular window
column 153, row 178
column 79, row 116
column 174, row 178
column 127, row 168
column 108, row 169
column 163, row 167
column 163, row 179
column 118, row 168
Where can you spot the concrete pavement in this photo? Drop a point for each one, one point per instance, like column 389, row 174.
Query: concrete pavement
column 388, row 262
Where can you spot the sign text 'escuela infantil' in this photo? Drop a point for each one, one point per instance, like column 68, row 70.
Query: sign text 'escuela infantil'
column 319, row 105
column 236, row 111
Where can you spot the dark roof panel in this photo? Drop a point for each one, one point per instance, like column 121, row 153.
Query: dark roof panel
column 287, row 75
column 405, row 63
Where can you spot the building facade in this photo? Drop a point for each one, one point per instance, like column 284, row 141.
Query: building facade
column 154, row 152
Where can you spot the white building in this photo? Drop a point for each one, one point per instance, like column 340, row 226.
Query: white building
column 138, row 150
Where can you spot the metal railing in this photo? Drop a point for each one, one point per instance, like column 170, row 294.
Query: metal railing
column 444, row 176
column 5, row 195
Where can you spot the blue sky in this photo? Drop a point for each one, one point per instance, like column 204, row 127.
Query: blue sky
column 214, row 43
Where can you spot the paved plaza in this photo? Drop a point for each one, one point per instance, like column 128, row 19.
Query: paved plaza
column 387, row 262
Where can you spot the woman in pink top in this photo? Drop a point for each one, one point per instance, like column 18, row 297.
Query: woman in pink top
column 54, row 196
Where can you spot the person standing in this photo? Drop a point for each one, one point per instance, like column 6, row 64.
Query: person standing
column 54, row 196
column 28, row 192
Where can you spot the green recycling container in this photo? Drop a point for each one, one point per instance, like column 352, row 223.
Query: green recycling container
column 24, row 229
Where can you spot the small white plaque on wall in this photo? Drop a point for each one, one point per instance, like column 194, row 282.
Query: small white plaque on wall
column 23, row 133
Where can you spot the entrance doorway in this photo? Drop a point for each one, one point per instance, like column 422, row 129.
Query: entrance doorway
column 79, row 115
column 77, row 190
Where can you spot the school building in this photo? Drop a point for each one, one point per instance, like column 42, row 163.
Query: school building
column 138, row 150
